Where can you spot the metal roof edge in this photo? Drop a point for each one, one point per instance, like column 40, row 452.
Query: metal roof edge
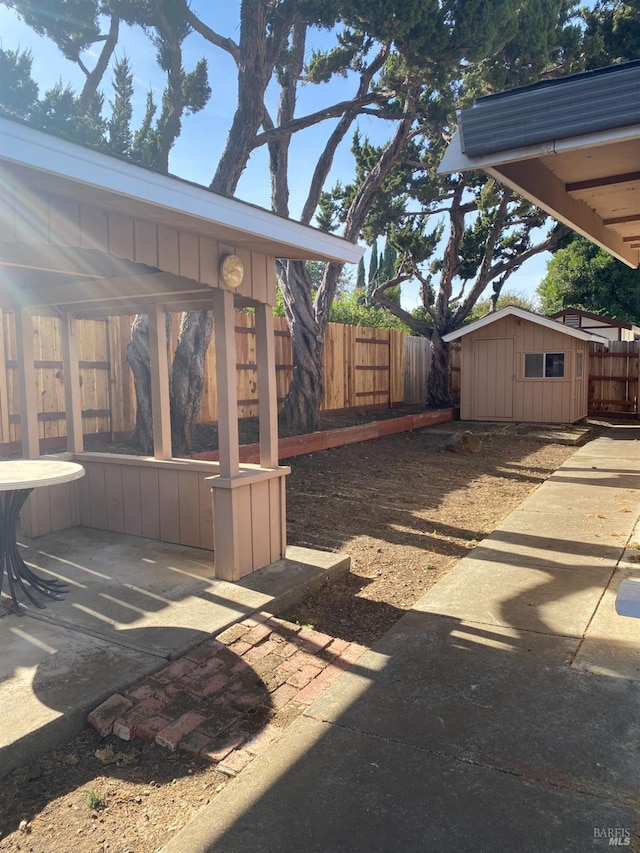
column 32, row 148
column 455, row 160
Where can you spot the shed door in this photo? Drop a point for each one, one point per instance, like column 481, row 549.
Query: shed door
column 493, row 379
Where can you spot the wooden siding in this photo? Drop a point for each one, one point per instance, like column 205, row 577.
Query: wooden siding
column 492, row 378
column 363, row 367
column 164, row 500
column 31, row 217
column 417, row 361
column 257, row 498
column 493, row 383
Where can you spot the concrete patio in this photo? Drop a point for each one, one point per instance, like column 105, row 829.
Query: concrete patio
column 133, row 604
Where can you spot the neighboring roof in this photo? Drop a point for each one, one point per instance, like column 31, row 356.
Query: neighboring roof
column 74, row 170
column 570, row 146
column 605, row 321
column 512, row 311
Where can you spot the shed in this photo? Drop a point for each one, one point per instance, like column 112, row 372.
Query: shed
column 86, row 234
column 519, row 366
column 605, row 327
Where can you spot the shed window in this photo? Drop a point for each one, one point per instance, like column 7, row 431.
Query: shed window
column 544, row 365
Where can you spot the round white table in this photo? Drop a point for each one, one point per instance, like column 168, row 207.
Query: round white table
column 18, row 478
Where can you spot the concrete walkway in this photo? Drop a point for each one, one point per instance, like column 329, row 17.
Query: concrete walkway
column 502, row 713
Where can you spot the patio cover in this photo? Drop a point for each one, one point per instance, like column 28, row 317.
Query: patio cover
column 90, row 282
column 86, row 234
column 570, row 146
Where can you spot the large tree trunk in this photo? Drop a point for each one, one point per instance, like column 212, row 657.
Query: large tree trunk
column 138, row 359
column 302, row 410
column 438, row 393
column 302, row 406
column 187, row 376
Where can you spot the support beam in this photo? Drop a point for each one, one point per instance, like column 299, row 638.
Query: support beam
column 71, row 374
column 159, row 364
column 225, row 347
column 607, row 181
column 267, row 390
column 27, row 385
column 535, row 182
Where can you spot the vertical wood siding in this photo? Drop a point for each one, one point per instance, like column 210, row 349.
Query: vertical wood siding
column 493, row 386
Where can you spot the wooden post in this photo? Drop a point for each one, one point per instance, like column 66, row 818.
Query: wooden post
column 71, row 373
column 267, row 390
column 159, row 365
column 5, row 432
column 27, row 385
column 225, row 347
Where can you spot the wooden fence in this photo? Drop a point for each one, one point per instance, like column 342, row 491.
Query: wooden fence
column 363, row 368
column 613, row 379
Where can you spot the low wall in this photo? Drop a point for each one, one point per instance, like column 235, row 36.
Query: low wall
column 312, row 442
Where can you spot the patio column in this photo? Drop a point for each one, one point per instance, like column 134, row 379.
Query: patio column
column 159, row 365
column 267, row 388
column 71, row 373
column 27, row 385
column 227, row 403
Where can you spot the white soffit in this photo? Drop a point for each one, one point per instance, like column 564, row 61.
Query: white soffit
column 530, row 172
column 49, row 155
column 513, row 311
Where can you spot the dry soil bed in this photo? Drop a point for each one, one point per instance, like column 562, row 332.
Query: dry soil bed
column 403, row 509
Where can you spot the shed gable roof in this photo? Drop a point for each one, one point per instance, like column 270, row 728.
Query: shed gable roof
column 511, row 310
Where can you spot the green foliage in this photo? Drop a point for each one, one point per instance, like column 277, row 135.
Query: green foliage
column 119, row 125
column 612, row 32
column 507, row 298
column 373, row 268
column 95, row 800
column 71, row 24
column 18, row 91
column 348, row 308
column 58, row 113
column 584, row 276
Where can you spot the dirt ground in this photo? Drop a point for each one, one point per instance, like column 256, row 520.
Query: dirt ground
column 404, row 509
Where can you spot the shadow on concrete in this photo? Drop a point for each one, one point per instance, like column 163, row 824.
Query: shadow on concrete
column 448, row 735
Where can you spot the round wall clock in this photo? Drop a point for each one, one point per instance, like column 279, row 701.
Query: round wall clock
column 231, row 271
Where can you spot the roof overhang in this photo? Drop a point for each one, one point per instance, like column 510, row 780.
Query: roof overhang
column 513, row 311
column 59, row 166
column 571, row 146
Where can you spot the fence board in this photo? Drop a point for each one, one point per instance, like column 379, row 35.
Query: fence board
column 363, row 367
column 417, row 360
column 613, row 379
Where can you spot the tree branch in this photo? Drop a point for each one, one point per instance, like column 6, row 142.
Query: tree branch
column 303, row 122
column 226, row 44
column 416, row 325
column 325, row 161
column 94, row 77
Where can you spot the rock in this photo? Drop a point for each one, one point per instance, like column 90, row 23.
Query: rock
column 463, row 442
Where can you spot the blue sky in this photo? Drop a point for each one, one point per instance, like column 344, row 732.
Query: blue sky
column 196, row 152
